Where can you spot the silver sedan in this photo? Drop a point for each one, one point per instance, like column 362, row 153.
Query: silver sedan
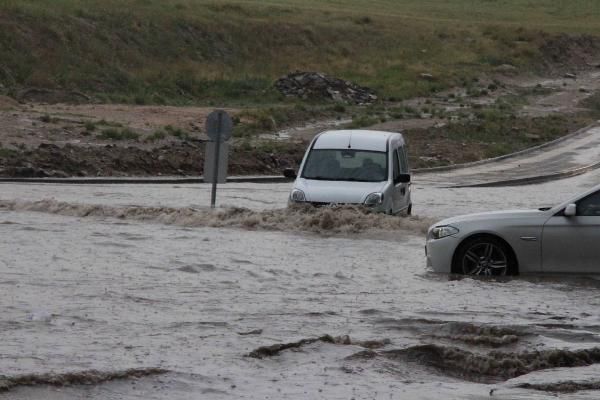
column 564, row 238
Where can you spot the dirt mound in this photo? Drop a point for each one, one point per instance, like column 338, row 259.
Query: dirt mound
column 318, row 86
column 571, row 52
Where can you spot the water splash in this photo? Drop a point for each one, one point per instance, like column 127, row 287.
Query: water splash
column 320, row 220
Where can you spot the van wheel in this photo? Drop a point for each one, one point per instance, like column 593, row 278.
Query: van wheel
column 409, row 211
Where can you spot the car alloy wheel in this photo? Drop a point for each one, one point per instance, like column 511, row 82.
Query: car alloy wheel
column 486, row 258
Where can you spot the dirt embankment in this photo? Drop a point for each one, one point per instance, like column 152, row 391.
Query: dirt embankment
column 184, row 158
column 493, row 115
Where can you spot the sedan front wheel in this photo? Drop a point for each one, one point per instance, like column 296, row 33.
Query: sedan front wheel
column 485, row 256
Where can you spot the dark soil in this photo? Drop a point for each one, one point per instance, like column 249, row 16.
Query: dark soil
column 570, row 52
column 182, row 158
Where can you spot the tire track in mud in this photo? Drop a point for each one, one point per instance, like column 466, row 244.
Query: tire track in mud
column 86, row 377
column 319, row 220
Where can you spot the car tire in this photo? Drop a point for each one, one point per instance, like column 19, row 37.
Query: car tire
column 409, row 210
column 485, row 255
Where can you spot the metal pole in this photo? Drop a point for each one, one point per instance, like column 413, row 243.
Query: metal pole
column 213, row 195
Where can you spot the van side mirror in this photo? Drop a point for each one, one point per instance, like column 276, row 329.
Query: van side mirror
column 403, row 178
column 289, row 173
column 570, row 210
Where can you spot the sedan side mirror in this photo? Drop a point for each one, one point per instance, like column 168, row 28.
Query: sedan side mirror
column 570, row 210
column 403, row 178
column 289, row 173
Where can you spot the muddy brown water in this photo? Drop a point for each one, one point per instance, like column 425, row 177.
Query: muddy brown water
column 101, row 280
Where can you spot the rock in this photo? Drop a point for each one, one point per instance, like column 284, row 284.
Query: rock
column 570, row 75
column 316, row 85
column 532, row 136
column 584, row 90
column 427, row 77
column 59, row 174
column 506, row 69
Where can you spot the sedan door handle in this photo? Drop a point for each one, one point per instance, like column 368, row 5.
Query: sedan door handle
column 529, row 238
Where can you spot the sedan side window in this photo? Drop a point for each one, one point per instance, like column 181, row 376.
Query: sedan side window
column 589, row 206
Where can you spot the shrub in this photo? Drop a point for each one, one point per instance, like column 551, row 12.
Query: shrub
column 115, row 134
column 157, row 135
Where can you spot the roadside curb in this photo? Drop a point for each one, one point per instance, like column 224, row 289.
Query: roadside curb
column 148, row 180
column 534, row 179
column 506, row 156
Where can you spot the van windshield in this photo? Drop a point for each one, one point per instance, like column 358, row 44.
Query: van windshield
column 346, row 165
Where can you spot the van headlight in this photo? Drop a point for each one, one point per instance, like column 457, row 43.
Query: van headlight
column 439, row 232
column 374, row 199
column 297, row 196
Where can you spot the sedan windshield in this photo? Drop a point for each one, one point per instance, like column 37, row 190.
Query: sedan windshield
column 346, row 165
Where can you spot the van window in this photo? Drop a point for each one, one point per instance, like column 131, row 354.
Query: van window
column 346, row 165
column 396, row 165
column 403, row 160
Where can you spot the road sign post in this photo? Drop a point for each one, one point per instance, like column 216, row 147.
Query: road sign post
column 218, row 128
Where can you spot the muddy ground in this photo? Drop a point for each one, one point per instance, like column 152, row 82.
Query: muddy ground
column 39, row 139
column 156, row 296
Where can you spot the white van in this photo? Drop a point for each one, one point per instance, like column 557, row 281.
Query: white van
column 355, row 167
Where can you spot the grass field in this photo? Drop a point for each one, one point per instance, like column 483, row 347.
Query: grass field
column 229, row 52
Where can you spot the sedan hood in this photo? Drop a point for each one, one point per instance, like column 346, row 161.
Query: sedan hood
column 493, row 215
column 337, row 191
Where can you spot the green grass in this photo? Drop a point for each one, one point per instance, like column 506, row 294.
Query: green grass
column 177, row 132
column 155, row 136
column 497, row 132
column 230, row 52
column 255, row 121
column 593, row 103
column 7, row 153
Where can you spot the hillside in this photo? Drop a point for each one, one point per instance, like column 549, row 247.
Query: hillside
column 229, row 52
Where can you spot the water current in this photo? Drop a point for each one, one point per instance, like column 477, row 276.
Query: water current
column 118, row 292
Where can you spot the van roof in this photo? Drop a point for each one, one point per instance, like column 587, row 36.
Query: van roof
column 355, row 139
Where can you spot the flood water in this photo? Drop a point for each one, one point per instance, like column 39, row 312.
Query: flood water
column 140, row 292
